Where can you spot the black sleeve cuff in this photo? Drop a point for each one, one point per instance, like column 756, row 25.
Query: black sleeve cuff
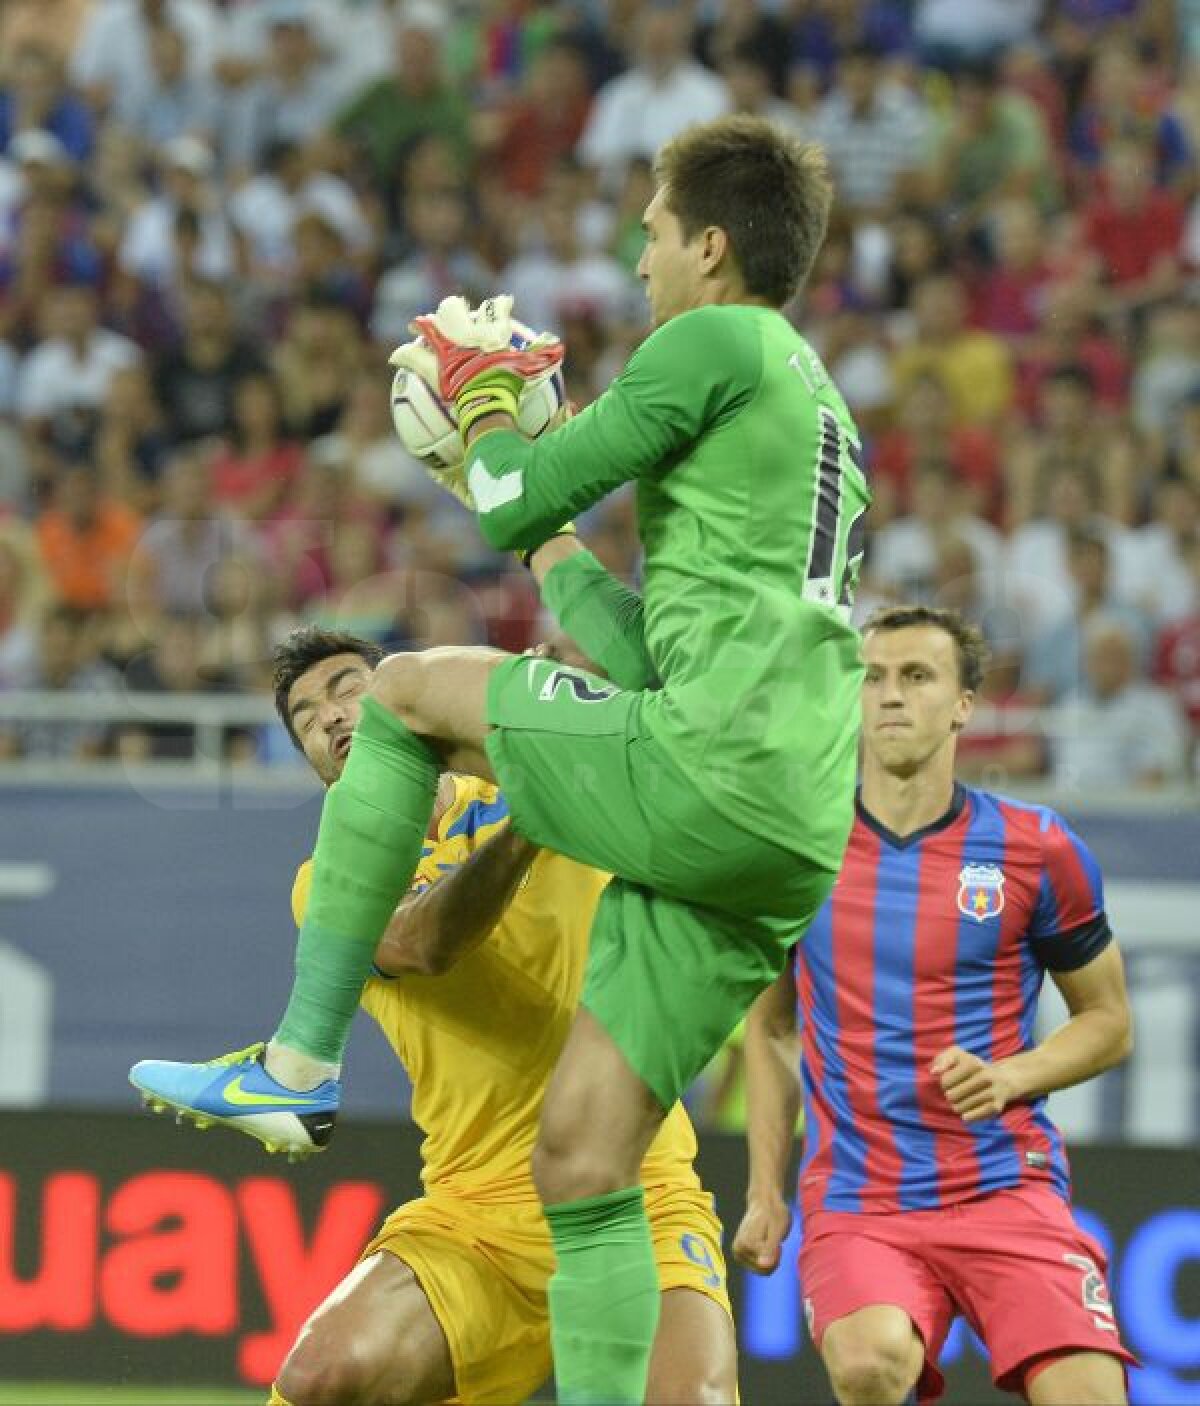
column 1075, row 948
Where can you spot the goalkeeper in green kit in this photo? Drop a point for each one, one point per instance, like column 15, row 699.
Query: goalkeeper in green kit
column 712, row 770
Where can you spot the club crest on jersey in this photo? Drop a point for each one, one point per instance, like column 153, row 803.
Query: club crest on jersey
column 981, row 891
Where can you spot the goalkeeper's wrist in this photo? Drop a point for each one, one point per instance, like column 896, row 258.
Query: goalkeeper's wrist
column 566, row 530
column 493, row 393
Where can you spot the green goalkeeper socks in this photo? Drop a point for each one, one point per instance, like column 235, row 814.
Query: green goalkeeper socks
column 604, row 1299
column 372, row 829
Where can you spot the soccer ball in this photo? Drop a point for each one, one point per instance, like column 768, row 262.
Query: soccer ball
column 429, row 430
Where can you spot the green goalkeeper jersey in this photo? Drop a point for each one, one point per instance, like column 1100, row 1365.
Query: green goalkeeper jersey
column 751, row 499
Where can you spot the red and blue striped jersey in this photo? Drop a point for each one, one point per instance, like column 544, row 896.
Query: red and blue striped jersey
column 937, row 938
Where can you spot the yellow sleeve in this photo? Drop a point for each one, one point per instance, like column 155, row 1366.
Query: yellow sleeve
column 477, row 812
column 300, row 887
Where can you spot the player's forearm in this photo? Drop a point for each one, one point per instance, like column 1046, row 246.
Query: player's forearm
column 432, row 930
column 772, row 1106
column 524, row 490
column 1086, row 1045
column 602, row 615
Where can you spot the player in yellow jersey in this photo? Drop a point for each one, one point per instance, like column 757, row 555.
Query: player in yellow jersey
column 480, row 974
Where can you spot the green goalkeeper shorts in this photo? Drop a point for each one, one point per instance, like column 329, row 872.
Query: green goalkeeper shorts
column 702, row 914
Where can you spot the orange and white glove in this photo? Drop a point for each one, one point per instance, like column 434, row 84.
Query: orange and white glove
column 484, row 356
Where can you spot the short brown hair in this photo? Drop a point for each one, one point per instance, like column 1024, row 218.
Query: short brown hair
column 304, row 647
column 767, row 190
column 968, row 639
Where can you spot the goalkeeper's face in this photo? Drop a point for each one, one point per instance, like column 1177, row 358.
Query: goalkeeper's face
column 671, row 267
column 324, row 704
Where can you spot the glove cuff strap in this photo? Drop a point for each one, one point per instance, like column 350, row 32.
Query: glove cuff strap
column 476, row 402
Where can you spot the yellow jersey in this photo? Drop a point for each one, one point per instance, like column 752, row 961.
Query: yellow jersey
column 479, row 1041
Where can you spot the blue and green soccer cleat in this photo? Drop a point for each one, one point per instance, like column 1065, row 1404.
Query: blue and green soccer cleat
column 237, row 1092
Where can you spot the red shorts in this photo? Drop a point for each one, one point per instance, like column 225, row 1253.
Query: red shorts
column 1013, row 1263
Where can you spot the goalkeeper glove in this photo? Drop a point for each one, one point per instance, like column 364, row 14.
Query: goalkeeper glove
column 479, row 368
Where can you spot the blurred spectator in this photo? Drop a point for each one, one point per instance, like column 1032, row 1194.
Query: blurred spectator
column 178, row 554
column 35, row 97
column 544, row 121
column 52, row 23
column 993, row 144
column 174, row 101
column 178, row 661
column 130, row 445
column 194, row 383
column 975, row 366
column 85, row 541
column 45, row 234
column 188, row 204
column 291, row 101
column 561, row 279
column 902, row 560
column 745, row 29
column 265, row 209
column 915, row 248
column 663, row 92
column 315, row 364
column 298, row 540
column 379, row 470
column 1003, row 742
column 747, row 75
column 416, row 98
column 1132, row 230
column 1054, row 658
column 254, row 471
column 924, row 434
column 64, row 379
column 1009, row 298
column 323, row 266
column 950, row 31
column 1167, row 372
column 15, row 474
column 68, row 661
column 113, row 53
column 1070, row 431
column 361, row 595
column 874, row 131
column 22, row 599
column 439, row 262
column 1166, row 583
column 1037, row 550
column 1177, row 655
column 1118, row 730
column 1124, row 102
column 1071, row 334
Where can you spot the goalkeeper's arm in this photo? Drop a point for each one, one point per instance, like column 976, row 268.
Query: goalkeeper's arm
column 690, row 373
column 603, row 616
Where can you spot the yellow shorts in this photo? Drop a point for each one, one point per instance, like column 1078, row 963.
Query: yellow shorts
column 484, row 1270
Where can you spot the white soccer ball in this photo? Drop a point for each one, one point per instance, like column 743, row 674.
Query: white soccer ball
column 428, row 429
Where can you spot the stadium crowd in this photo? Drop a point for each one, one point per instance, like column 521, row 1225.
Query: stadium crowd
column 216, row 219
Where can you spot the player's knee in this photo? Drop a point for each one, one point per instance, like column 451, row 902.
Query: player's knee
column 397, row 684
column 714, row 1387
column 319, row 1372
column 568, row 1165
column 869, row 1370
column 1083, row 1379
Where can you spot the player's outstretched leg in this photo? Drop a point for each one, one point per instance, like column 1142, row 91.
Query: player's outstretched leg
column 598, row 1119
column 372, row 828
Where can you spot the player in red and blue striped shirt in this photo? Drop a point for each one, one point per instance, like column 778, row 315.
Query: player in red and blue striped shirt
column 933, row 1182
